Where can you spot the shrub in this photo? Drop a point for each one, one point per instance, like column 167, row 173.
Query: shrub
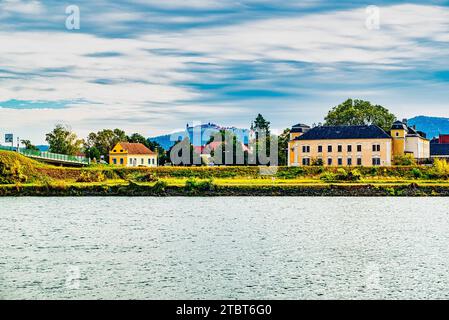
column 341, row 174
column 290, row 173
column 354, row 175
column 199, row 185
column 328, row 176
column 146, row 178
column 12, row 172
column 15, row 168
column 417, row 173
column 159, row 186
column 405, row 160
column 91, row 176
column 441, row 168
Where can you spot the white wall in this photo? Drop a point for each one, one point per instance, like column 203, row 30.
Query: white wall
column 136, row 160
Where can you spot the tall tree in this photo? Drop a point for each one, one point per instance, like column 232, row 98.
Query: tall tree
column 63, row 140
column 261, row 125
column 360, row 112
column 283, row 140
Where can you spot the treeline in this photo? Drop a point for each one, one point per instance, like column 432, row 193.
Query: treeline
column 98, row 144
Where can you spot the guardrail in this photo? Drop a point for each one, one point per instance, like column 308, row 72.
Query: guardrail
column 49, row 155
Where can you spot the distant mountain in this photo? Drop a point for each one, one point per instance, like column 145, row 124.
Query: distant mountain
column 205, row 130
column 432, row 126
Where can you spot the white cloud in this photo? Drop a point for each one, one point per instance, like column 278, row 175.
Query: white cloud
column 24, row 7
column 144, row 83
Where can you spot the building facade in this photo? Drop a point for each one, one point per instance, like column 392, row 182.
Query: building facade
column 439, row 147
column 354, row 145
column 132, row 155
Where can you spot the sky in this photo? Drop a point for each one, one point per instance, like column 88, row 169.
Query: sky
column 152, row 66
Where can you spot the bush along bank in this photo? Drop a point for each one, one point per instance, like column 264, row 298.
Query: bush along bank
column 208, row 189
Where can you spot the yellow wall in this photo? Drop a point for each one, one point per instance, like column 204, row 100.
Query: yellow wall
column 118, row 153
column 294, row 135
column 398, row 141
column 367, row 154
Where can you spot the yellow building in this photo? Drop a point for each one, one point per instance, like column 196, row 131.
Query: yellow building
column 132, row 155
column 354, row 145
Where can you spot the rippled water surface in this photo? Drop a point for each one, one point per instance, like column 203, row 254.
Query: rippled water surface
column 219, row 248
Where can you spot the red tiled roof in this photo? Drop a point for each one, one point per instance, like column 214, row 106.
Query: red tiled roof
column 135, row 148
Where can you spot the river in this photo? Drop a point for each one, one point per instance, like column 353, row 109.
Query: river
column 224, row 248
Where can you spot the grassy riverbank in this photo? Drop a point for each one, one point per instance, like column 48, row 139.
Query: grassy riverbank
column 21, row 176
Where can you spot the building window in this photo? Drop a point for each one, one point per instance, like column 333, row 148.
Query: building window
column 306, row 161
column 376, row 147
column 320, row 149
column 121, row 160
column 340, row 148
column 359, row 148
column 340, row 161
column 329, row 161
column 305, row 149
column 359, row 161
column 152, row 160
column 141, row 161
column 397, row 134
column 349, row 148
column 329, row 148
column 376, row 161
column 114, row 160
column 349, row 161
column 149, row 161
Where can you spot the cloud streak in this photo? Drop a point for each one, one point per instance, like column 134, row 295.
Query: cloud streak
column 151, row 66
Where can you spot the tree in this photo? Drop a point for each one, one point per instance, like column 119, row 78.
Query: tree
column 283, row 140
column 28, row 145
column 63, row 140
column 261, row 125
column 359, row 112
column 105, row 140
column 93, row 153
column 138, row 138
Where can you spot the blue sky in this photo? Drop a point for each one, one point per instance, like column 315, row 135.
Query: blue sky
column 151, row 66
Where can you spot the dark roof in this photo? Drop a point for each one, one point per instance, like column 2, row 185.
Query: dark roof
column 300, row 128
column 411, row 131
column 439, row 149
column 399, row 125
column 345, row 132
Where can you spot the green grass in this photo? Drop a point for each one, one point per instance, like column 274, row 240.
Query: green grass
column 16, row 169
